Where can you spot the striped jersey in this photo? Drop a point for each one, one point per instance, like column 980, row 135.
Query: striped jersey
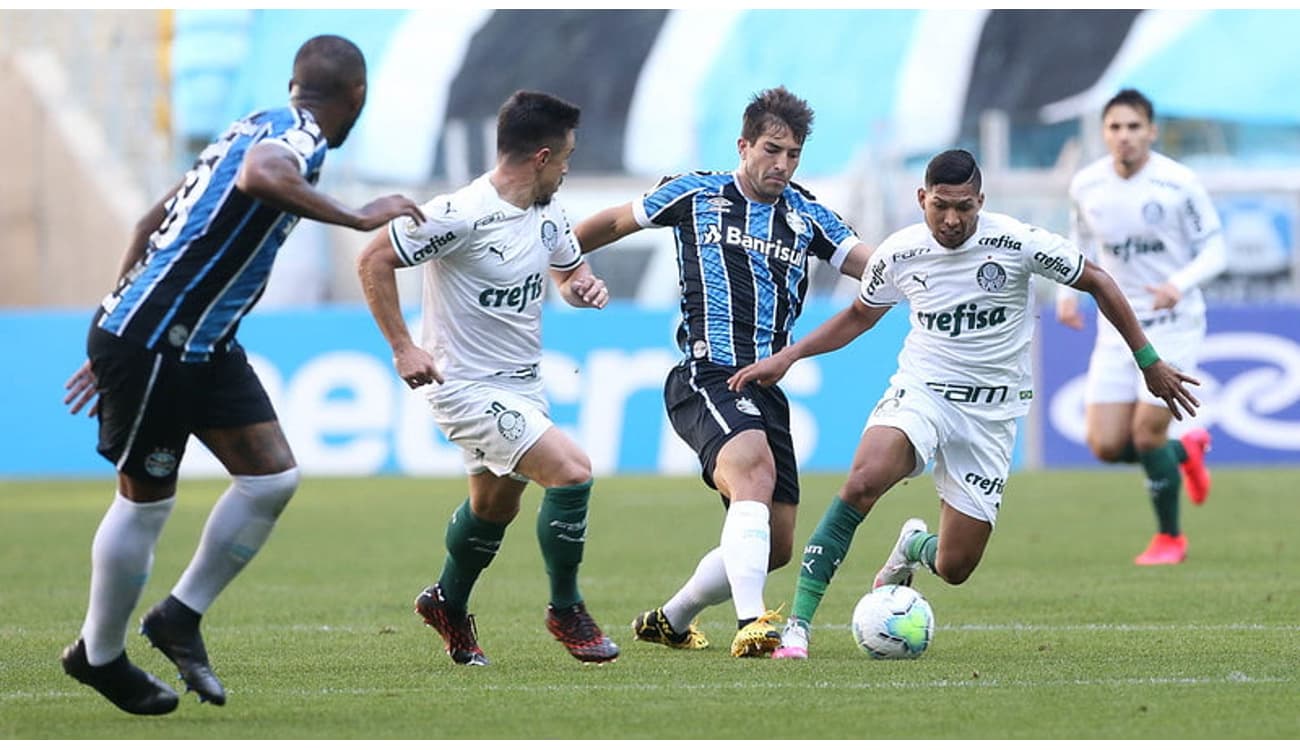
column 209, row 260
column 742, row 264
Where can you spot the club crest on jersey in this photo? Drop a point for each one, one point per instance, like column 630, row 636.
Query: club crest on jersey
column 700, row 349
column 160, row 463
column 510, row 423
column 990, row 276
column 746, row 406
column 1153, row 212
column 795, row 222
column 550, row 235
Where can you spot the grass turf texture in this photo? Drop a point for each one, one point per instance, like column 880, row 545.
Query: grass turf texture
column 1057, row 635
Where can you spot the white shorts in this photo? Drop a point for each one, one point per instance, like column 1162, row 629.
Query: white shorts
column 492, row 424
column 972, row 456
column 1113, row 374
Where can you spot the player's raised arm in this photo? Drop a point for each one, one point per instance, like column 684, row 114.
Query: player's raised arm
column 838, row 331
column 271, row 174
column 1162, row 379
column 855, row 263
column 605, row 227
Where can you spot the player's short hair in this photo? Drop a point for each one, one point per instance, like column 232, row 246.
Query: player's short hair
column 532, row 120
column 777, row 108
column 953, row 167
column 1132, row 98
column 328, row 65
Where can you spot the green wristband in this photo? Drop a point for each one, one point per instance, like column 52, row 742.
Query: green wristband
column 1146, row 356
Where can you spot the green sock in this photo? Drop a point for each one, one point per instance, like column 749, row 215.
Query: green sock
column 923, row 548
column 1163, row 484
column 472, row 543
column 1180, row 453
column 826, row 549
column 1129, row 455
column 562, row 532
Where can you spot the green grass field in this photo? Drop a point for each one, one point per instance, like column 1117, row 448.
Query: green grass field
column 1057, row 635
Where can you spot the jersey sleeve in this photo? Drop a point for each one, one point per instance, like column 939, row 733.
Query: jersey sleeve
column 877, row 288
column 1199, row 217
column 833, row 238
column 668, row 203
column 303, row 140
column 444, row 230
column 565, row 254
column 1052, row 256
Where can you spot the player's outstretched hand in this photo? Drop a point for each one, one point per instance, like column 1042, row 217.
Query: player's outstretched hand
column 82, row 389
column 591, row 290
column 763, row 372
column 416, row 368
column 380, row 211
column 1168, row 383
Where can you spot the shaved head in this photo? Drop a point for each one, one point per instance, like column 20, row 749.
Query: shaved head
column 327, row 66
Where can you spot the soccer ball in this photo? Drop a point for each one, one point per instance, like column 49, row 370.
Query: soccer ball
column 893, row 622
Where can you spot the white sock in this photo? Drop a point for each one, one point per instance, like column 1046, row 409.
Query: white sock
column 746, row 543
column 708, row 586
column 121, row 557
column 237, row 528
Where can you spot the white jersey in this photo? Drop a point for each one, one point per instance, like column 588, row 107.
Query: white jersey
column 972, row 308
column 1144, row 229
column 486, row 263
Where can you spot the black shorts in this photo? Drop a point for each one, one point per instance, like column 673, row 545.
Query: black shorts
column 706, row 414
column 151, row 402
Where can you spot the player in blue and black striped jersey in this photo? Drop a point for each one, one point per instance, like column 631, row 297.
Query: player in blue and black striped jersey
column 743, row 239
column 164, row 364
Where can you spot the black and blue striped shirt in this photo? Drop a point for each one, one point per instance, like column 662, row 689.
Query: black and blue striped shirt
column 209, row 261
column 742, row 264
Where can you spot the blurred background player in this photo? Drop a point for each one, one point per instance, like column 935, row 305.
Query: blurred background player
column 487, row 249
column 164, row 363
column 1149, row 223
column 743, row 242
column 964, row 378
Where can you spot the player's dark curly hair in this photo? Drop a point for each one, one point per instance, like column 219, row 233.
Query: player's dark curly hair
column 531, row 120
column 953, row 167
column 777, row 107
column 1132, row 98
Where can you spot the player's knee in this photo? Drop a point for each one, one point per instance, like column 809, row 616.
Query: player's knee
column 270, row 492
column 1109, row 451
column 573, row 470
